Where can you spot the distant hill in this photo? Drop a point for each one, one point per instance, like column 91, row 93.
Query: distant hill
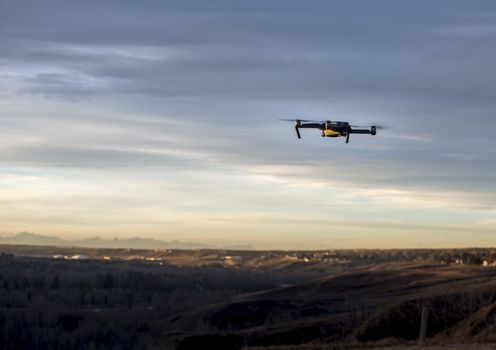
column 29, row 238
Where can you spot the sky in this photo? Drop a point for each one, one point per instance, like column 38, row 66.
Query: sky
column 159, row 119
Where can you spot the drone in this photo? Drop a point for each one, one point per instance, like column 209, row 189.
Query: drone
column 333, row 128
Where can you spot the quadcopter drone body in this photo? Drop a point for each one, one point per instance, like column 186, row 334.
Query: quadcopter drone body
column 332, row 128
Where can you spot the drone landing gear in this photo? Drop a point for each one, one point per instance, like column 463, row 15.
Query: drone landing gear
column 348, row 138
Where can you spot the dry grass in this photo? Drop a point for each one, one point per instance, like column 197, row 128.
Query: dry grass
column 475, row 346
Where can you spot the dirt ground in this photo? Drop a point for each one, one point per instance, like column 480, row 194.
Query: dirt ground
column 396, row 347
column 444, row 347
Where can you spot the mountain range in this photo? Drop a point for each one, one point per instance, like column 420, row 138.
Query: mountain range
column 28, row 238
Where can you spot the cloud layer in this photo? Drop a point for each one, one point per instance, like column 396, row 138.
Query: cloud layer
column 160, row 118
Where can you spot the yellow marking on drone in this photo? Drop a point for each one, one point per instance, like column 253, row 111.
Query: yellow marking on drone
column 329, row 132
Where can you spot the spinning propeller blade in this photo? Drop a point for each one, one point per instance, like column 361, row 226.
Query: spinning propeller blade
column 299, row 120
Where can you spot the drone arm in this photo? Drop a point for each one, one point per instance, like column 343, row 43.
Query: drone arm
column 359, row 131
column 299, row 125
column 371, row 131
column 311, row 125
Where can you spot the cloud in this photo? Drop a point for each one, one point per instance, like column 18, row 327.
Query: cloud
column 193, row 91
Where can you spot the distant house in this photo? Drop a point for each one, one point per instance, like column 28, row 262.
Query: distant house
column 79, row 257
column 153, row 259
column 487, row 263
column 232, row 260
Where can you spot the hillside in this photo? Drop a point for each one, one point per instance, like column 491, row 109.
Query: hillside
column 233, row 299
column 365, row 305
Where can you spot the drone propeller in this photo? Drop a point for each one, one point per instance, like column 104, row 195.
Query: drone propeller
column 299, row 120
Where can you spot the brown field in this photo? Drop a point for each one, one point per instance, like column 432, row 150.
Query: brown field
column 467, row 346
column 365, row 304
column 280, row 300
